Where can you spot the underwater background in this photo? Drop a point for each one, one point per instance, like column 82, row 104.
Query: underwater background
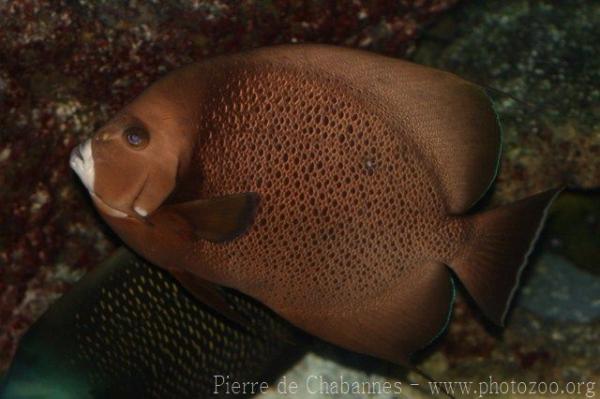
column 67, row 66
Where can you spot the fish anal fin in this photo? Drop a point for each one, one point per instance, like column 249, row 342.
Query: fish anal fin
column 219, row 219
column 210, row 294
column 397, row 323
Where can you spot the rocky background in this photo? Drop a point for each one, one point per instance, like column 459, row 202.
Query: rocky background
column 66, row 66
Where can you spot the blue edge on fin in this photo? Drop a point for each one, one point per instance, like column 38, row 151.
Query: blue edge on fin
column 450, row 308
column 496, row 170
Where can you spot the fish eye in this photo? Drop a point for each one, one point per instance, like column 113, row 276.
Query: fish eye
column 136, row 137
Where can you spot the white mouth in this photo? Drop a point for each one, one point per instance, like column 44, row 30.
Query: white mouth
column 82, row 163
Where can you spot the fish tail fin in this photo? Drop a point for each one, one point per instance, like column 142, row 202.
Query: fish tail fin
column 492, row 260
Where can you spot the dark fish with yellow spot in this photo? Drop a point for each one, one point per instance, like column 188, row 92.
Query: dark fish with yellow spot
column 127, row 330
column 351, row 175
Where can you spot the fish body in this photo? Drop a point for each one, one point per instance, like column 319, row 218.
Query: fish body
column 363, row 167
column 128, row 329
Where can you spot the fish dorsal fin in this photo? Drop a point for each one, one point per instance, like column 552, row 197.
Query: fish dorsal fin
column 451, row 121
column 390, row 326
column 219, row 219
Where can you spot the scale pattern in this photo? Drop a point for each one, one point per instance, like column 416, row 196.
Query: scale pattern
column 141, row 334
column 348, row 205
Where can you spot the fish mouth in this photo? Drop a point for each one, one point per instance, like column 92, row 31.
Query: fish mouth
column 76, row 155
column 82, row 162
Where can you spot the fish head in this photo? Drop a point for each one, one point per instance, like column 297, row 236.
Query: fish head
column 131, row 165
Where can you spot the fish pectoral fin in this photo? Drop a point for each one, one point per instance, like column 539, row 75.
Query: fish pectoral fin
column 219, row 219
column 210, row 294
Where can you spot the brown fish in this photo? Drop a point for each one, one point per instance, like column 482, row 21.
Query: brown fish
column 351, row 175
